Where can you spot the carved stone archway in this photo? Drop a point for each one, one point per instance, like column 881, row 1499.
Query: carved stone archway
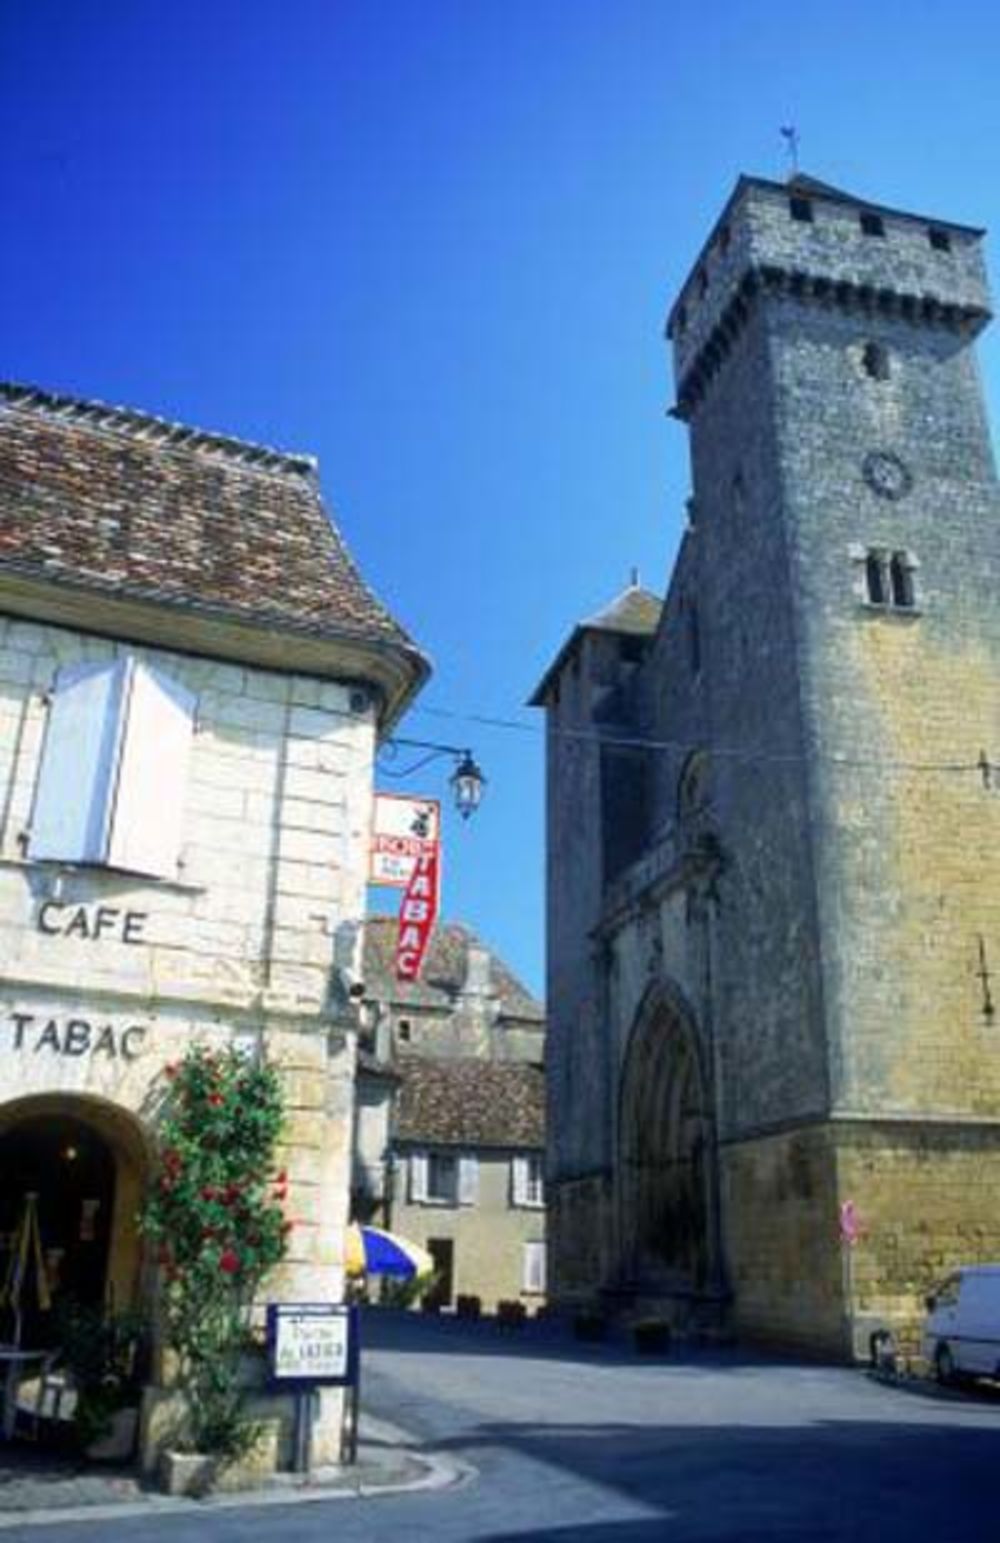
column 666, row 1153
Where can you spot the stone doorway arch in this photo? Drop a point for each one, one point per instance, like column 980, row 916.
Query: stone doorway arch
column 667, row 1154
column 87, row 1160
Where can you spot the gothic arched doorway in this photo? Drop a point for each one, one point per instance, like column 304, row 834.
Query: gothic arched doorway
column 666, row 1155
column 77, row 1165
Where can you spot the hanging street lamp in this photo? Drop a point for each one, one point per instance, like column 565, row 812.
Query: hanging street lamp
column 467, row 781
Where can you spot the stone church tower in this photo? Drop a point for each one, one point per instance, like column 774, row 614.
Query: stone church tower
column 773, row 901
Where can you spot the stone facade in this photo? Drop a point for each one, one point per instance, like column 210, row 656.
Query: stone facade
column 107, row 974
column 777, row 1001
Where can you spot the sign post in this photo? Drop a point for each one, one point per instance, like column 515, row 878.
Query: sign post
column 312, row 1345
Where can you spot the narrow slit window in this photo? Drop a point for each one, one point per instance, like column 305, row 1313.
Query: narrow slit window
column 875, row 579
column 901, row 582
column 876, row 361
column 694, row 639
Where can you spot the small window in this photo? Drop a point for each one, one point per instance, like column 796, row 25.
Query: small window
column 801, row 209
column 875, row 578
column 403, row 1030
column 113, row 771
column 442, row 1178
column 871, row 224
column 527, row 1181
column 900, row 581
column 533, row 1277
column 875, row 360
column 682, row 318
column 939, row 239
column 889, row 579
column 631, row 647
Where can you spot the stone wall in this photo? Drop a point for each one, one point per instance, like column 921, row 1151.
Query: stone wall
column 108, row 977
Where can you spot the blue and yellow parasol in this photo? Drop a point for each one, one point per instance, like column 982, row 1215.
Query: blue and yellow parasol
column 372, row 1251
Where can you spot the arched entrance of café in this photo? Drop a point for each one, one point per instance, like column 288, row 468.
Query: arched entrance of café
column 71, row 1175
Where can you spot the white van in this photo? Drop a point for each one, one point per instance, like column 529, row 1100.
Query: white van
column 962, row 1332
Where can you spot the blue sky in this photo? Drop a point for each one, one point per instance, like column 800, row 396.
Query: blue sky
column 433, row 242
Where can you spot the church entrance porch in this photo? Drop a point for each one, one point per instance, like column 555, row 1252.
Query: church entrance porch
column 669, row 1256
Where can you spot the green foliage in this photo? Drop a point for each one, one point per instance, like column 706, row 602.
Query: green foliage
column 101, row 1354
column 215, row 1214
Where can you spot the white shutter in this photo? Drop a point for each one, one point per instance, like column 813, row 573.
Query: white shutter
column 79, row 755
column 533, row 1277
column 148, row 809
column 519, row 1180
column 468, row 1180
column 418, row 1177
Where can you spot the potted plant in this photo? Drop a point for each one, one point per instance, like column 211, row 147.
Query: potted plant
column 215, row 1216
column 651, row 1336
column 590, row 1325
column 511, row 1314
column 100, row 1358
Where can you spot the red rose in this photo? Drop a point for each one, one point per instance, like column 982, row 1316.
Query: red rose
column 208, row 1193
column 215, row 1099
column 229, row 1261
column 281, row 1178
column 208, row 1232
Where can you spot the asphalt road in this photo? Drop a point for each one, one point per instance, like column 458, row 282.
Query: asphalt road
column 588, row 1444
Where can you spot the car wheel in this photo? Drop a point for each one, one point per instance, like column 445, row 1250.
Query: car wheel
column 944, row 1365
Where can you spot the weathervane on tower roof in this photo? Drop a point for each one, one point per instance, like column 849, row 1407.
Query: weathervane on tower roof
column 790, row 135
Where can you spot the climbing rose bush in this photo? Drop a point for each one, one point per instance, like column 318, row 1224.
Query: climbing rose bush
column 215, row 1218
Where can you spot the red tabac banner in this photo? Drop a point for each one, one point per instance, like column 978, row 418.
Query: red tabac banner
column 417, row 915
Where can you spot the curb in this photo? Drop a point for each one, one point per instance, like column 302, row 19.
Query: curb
column 434, row 1473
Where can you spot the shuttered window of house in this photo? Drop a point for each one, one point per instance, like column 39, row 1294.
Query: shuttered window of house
column 152, row 775
column 468, row 1180
column 69, row 820
column 533, row 1277
column 418, row 1177
column 114, row 768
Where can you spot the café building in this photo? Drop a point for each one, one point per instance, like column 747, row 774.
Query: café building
column 194, row 678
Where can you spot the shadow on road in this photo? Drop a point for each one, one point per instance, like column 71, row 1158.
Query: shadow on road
column 832, row 1482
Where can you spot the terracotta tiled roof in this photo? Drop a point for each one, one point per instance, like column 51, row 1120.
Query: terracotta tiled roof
column 471, row 1103
column 107, row 499
column 443, row 975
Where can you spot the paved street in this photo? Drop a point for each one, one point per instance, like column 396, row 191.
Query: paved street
column 580, row 1444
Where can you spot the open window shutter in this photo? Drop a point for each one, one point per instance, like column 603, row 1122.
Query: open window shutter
column 468, row 1180
column 519, row 1180
column 533, row 1278
column 418, row 1177
column 69, row 821
column 148, row 808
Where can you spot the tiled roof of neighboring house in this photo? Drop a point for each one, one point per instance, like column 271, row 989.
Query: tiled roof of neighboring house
column 471, row 1103
column 107, row 499
column 444, row 971
column 635, row 611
